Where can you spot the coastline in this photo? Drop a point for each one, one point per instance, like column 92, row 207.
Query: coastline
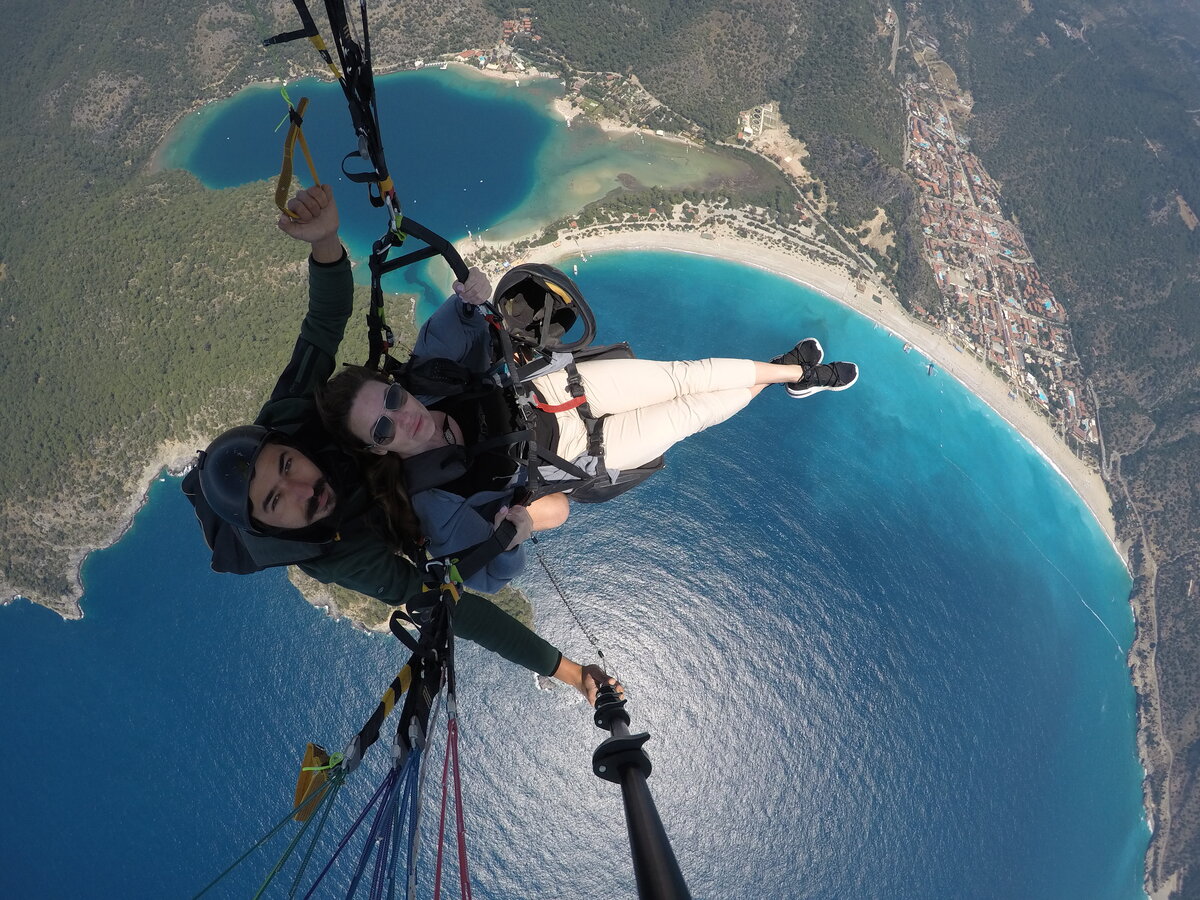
column 930, row 343
column 176, row 457
column 836, row 284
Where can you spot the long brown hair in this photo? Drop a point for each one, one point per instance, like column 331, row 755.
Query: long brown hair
column 384, row 473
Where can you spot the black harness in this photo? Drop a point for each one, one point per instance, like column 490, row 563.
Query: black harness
column 509, row 425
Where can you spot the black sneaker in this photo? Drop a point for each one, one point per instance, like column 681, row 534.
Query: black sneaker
column 836, row 376
column 807, row 353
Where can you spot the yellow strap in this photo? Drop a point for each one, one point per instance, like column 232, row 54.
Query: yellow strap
column 319, row 43
column 312, row 778
column 389, row 696
column 283, row 187
column 566, row 298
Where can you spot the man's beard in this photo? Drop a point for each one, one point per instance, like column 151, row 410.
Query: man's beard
column 314, row 502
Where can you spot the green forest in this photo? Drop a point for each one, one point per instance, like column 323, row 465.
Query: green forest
column 823, row 60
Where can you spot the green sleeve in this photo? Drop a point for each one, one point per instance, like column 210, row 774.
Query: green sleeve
column 314, row 357
column 484, row 623
column 330, row 302
column 367, row 566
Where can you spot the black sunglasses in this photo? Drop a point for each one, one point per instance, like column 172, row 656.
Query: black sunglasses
column 385, row 428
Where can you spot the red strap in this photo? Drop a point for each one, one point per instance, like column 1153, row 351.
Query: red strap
column 464, row 878
column 451, row 764
column 562, row 407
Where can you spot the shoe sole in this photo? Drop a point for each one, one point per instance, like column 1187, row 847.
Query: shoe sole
column 808, row 392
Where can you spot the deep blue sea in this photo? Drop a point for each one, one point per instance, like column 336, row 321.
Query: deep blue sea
column 878, row 643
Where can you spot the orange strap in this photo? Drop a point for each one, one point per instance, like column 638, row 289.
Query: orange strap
column 574, row 403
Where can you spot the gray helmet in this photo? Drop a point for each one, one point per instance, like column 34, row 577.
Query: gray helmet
column 225, row 470
column 540, row 304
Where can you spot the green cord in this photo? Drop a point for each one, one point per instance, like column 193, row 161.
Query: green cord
column 291, row 106
column 291, row 847
column 334, row 761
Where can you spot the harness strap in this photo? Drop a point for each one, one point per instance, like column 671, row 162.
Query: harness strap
column 396, row 625
column 549, row 456
column 502, row 440
column 380, row 337
column 371, row 177
column 595, row 430
column 291, row 35
column 482, row 554
column 575, row 386
column 560, row 407
column 593, row 423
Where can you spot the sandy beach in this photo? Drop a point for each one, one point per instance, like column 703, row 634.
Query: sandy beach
column 933, row 345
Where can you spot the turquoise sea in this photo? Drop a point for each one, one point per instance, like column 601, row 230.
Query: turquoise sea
column 878, row 643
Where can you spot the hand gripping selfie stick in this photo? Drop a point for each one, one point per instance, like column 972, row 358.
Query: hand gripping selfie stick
column 621, row 760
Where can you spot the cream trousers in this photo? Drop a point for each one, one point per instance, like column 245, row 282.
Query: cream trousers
column 649, row 405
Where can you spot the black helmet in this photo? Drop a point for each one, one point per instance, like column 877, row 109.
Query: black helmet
column 540, row 305
column 225, row 470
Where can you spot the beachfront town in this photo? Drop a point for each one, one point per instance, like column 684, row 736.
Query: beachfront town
column 996, row 304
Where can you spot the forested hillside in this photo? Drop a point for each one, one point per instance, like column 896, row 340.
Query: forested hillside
column 825, row 61
column 708, row 59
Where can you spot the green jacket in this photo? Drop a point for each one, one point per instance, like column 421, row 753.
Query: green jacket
column 357, row 557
